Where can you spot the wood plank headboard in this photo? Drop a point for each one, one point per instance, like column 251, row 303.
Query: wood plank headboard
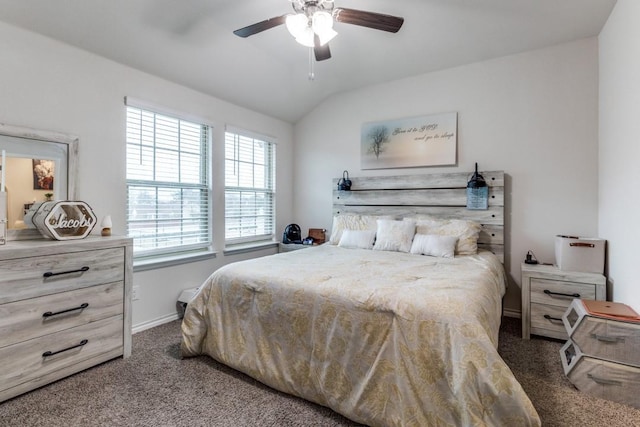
column 442, row 195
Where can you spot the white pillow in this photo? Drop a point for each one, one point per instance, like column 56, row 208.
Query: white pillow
column 352, row 222
column 357, row 239
column 434, row 245
column 394, row 235
column 466, row 231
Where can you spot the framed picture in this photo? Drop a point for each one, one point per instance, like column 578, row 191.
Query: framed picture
column 411, row 142
column 43, row 174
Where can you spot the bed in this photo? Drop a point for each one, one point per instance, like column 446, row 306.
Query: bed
column 381, row 336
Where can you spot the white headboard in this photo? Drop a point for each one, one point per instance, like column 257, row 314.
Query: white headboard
column 443, row 195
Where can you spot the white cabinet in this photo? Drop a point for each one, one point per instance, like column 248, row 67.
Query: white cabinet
column 65, row 306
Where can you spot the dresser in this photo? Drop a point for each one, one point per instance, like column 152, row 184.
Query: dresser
column 64, row 306
column 547, row 292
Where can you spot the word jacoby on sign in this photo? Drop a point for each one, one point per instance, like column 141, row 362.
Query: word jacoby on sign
column 65, row 220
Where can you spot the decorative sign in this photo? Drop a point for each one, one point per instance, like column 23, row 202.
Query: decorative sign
column 64, row 220
column 419, row 141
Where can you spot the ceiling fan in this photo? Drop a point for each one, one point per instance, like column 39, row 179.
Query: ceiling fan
column 312, row 23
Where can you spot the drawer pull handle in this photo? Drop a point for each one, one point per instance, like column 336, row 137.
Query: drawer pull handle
column 50, row 274
column 548, row 292
column 546, row 316
column 582, row 245
column 606, row 338
column 51, row 353
column 604, row 380
column 80, row 307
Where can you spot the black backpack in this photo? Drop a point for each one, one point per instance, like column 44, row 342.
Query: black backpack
column 292, row 234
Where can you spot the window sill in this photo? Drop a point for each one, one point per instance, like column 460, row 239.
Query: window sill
column 171, row 260
column 249, row 247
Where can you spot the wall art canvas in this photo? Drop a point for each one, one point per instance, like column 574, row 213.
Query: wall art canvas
column 410, row 142
column 43, row 173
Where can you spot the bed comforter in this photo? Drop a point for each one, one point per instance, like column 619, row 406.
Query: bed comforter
column 384, row 338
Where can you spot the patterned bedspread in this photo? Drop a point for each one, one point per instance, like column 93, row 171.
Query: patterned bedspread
column 384, row 338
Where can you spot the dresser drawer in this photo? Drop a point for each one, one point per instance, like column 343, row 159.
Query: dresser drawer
column 601, row 378
column 610, row 340
column 26, row 361
column 547, row 320
column 23, row 278
column 26, row 319
column 559, row 293
column 615, row 340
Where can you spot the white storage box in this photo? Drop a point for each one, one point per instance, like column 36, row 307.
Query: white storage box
column 580, row 254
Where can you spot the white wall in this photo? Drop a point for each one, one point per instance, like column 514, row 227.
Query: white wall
column 48, row 85
column 620, row 148
column 533, row 115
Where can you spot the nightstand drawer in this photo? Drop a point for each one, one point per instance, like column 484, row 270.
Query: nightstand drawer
column 24, row 278
column 29, row 360
column 35, row 317
column 559, row 293
column 547, row 320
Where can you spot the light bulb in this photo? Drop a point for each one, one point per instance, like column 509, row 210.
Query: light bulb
column 323, row 26
column 306, row 38
column 296, row 24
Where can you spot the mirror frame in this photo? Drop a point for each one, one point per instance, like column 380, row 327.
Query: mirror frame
column 70, row 141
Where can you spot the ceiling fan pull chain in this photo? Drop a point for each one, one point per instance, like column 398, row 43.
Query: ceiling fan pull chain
column 312, row 74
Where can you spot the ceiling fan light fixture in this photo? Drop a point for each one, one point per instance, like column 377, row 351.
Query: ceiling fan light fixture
column 326, row 36
column 306, row 38
column 322, row 25
column 311, row 24
column 297, row 24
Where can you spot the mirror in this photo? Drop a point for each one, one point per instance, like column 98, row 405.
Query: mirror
column 38, row 164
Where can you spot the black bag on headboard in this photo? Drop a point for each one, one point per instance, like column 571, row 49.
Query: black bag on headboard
column 344, row 183
column 292, row 234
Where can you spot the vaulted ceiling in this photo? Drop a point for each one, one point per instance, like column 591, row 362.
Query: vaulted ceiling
column 191, row 42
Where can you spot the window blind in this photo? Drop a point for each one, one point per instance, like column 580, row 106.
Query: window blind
column 168, row 189
column 249, row 188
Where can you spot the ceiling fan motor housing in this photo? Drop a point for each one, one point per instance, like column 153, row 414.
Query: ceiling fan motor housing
column 311, row 7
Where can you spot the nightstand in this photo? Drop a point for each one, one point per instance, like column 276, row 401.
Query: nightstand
column 288, row 247
column 547, row 292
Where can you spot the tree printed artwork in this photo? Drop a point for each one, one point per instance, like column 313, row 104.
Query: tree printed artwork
column 411, row 142
column 379, row 136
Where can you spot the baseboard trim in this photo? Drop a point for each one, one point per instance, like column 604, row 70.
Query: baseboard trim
column 153, row 323
column 507, row 312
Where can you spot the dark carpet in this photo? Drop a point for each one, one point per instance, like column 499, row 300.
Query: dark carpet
column 154, row 387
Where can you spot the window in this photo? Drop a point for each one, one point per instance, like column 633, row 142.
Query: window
column 167, row 184
column 249, row 188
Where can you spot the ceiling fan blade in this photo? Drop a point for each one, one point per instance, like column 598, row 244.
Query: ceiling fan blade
column 321, row 52
column 259, row 27
column 377, row 21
